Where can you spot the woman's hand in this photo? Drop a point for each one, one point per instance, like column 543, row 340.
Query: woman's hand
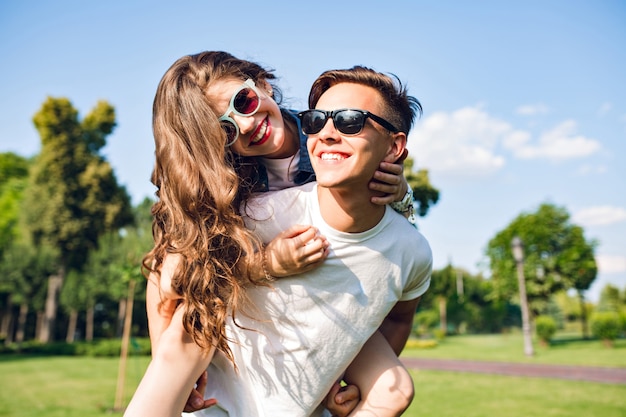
column 196, row 399
column 298, row 249
column 341, row 400
column 390, row 181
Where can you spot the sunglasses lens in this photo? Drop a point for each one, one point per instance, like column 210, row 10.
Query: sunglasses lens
column 349, row 122
column 246, row 101
column 231, row 132
column 313, row 122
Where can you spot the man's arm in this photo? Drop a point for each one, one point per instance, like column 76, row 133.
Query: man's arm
column 398, row 324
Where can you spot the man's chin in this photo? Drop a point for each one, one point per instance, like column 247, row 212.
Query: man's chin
column 328, row 180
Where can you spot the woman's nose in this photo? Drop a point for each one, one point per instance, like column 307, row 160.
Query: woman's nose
column 245, row 123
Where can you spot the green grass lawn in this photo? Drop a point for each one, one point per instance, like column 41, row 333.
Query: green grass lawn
column 64, row 386
column 85, row 386
column 565, row 350
column 450, row 394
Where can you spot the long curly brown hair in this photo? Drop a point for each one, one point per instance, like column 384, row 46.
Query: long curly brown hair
column 199, row 195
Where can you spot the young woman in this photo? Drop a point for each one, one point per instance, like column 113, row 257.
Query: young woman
column 220, row 136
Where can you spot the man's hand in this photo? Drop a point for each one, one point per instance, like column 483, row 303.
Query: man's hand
column 196, row 399
column 340, row 401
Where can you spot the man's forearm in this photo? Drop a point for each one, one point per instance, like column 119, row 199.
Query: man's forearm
column 398, row 324
column 396, row 333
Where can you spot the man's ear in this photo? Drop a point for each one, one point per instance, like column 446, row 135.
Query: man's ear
column 397, row 148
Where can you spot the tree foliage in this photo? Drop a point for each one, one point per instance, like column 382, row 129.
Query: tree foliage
column 73, row 195
column 443, row 284
column 424, row 194
column 610, row 299
column 469, row 308
column 556, row 256
column 13, row 177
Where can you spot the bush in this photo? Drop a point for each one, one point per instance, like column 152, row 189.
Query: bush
column 605, row 325
column 424, row 321
column 622, row 323
column 439, row 334
column 113, row 347
column 47, row 349
column 97, row 348
column 545, row 327
column 420, row 344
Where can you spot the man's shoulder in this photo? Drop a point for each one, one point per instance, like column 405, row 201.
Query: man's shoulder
column 405, row 233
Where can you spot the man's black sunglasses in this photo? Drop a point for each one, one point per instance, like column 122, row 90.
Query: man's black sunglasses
column 346, row 121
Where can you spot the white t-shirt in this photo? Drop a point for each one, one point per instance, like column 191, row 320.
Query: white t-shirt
column 308, row 328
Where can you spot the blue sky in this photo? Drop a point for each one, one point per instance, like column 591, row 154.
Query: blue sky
column 524, row 101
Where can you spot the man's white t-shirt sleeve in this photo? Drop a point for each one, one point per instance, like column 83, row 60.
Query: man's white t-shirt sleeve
column 420, row 277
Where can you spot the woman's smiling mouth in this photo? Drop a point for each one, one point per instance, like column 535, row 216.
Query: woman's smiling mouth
column 262, row 133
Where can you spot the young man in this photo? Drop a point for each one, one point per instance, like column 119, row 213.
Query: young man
column 300, row 334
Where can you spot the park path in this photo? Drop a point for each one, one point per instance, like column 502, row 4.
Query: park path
column 581, row 373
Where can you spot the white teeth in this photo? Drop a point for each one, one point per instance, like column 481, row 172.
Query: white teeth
column 331, row 157
column 261, row 133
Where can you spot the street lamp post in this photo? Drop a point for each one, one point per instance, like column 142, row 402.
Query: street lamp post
column 518, row 254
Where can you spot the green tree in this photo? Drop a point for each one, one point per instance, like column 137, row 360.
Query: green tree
column 424, row 194
column 557, row 256
column 610, row 299
column 579, row 269
column 137, row 241
column 73, row 196
column 23, row 269
column 443, row 285
column 72, row 298
column 110, row 268
column 13, row 177
column 471, row 309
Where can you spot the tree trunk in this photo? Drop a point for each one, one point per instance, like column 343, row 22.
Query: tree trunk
column 21, row 323
column 39, row 325
column 71, row 326
column 583, row 315
column 443, row 315
column 128, row 318
column 89, row 323
column 54, row 287
column 526, row 326
column 7, row 318
column 121, row 313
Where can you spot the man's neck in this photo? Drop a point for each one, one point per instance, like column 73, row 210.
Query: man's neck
column 349, row 210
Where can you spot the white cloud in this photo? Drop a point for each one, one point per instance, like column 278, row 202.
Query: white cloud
column 560, row 143
column 532, row 109
column 611, row 264
column 470, row 143
column 599, row 216
column 461, row 143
